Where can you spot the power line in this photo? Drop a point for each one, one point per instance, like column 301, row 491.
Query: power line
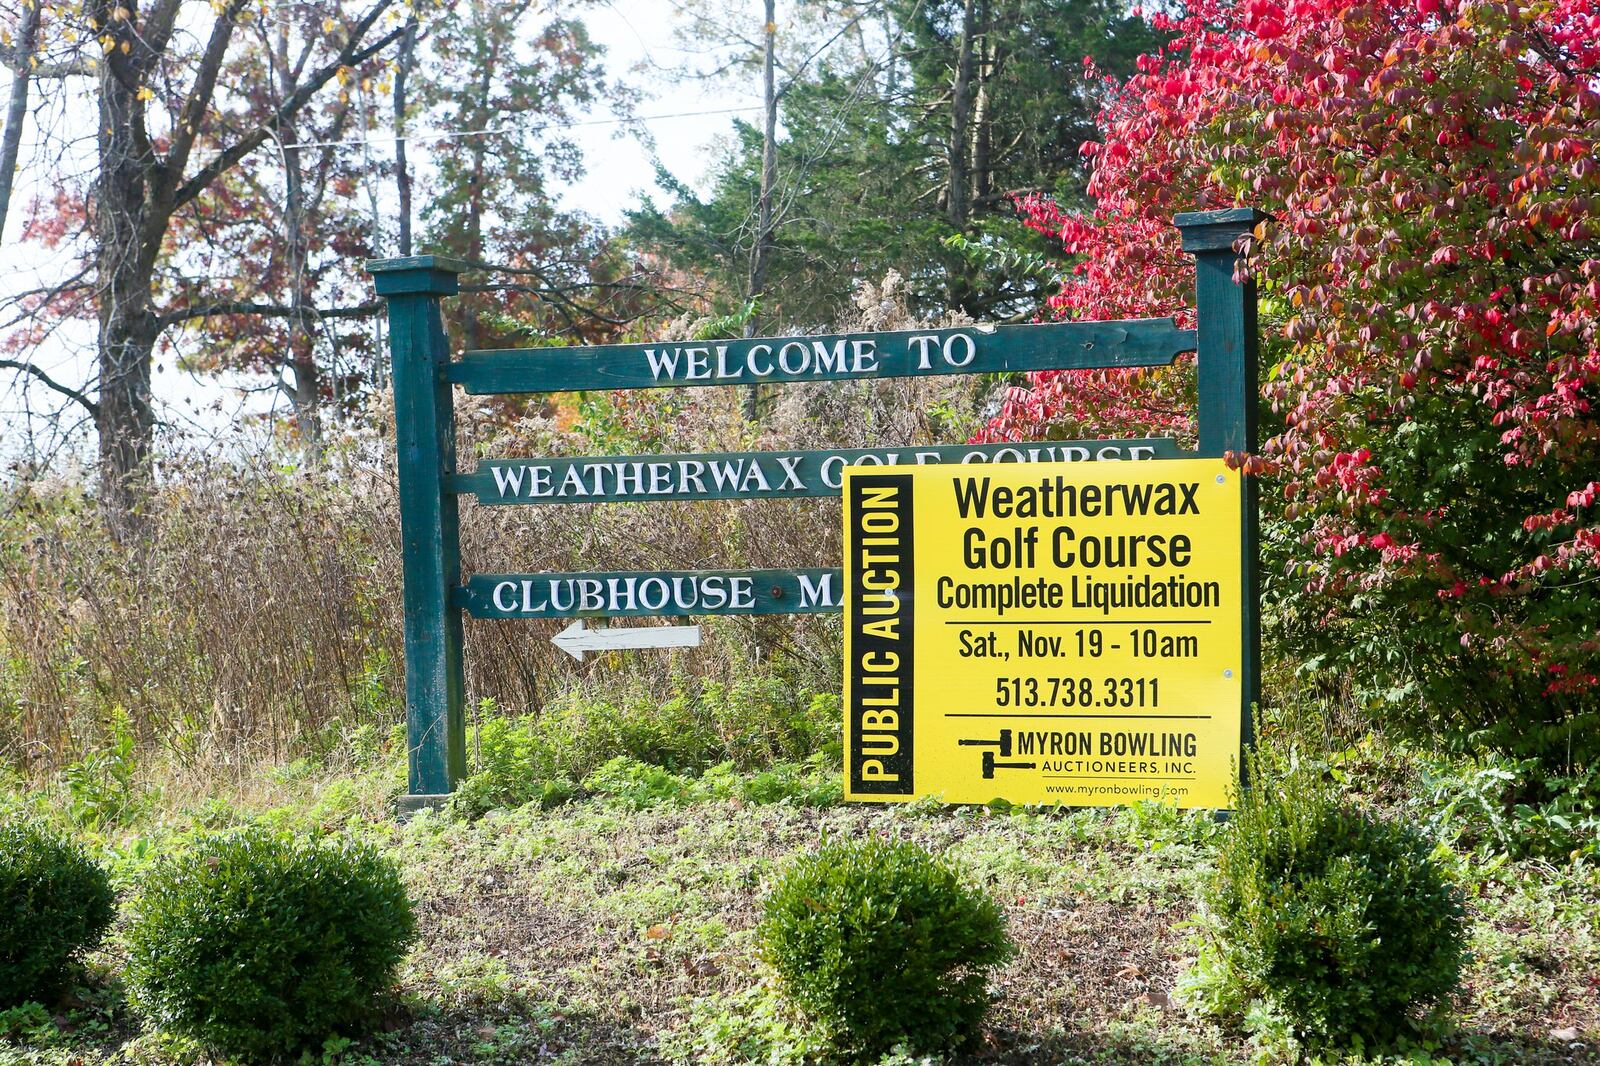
column 490, row 131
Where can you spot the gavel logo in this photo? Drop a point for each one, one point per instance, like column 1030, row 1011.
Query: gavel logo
column 1004, row 745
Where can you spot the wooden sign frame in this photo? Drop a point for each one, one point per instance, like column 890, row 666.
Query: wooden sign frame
column 424, row 375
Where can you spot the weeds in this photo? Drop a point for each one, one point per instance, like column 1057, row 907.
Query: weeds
column 100, row 786
column 260, row 620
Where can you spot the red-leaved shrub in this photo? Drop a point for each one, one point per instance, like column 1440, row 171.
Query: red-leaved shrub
column 1429, row 290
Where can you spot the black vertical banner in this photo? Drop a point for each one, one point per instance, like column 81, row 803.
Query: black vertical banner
column 881, row 634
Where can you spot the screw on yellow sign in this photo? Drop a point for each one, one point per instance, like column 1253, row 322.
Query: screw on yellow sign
column 1065, row 634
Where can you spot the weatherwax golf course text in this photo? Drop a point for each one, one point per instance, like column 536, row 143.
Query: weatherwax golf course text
column 1055, row 634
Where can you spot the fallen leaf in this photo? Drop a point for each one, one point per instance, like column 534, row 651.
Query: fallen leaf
column 704, row 966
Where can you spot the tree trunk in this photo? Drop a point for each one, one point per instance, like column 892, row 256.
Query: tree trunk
column 761, row 254
column 958, row 193
column 128, row 326
column 306, row 392
column 402, row 168
column 982, row 118
column 17, row 110
column 483, row 115
column 138, row 186
column 891, row 62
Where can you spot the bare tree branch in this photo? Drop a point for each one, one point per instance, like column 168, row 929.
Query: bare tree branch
column 205, row 83
column 51, row 383
column 350, row 56
column 17, row 109
column 246, row 307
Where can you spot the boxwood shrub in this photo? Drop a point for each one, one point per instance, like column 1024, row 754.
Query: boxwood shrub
column 259, row 945
column 1336, row 920
column 55, row 903
column 881, row 944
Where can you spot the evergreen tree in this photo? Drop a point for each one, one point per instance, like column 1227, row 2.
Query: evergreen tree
column 906, row 152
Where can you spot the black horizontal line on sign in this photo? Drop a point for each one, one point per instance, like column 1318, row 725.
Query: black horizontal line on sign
column 1024, row 714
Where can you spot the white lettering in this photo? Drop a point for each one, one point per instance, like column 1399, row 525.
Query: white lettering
column 699, row 363
column 555, row 598
column 801, row 350
column 504, row 586
column 865, row 358
column 791, row 472
column 722, row 365
column 756, row 475
column 817, row 593
column 591, row 594
column 949, row 345
column 508, row 478
column 750, row 359
column 630, row 479
column 623, row 593
column 829, row 362
column 653, row 593
column 663, row 363
column 725, row 473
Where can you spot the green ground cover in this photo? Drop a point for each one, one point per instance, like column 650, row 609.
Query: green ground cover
column 618, row 927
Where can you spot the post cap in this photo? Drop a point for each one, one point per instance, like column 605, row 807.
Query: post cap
column 1209, row 231
column 430, row 274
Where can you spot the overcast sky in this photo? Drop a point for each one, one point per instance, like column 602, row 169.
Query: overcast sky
column 640, row 32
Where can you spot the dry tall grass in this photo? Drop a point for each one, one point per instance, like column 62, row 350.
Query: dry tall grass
column 261, row 617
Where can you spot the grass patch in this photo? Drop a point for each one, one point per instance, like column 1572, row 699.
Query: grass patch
column 606, row 931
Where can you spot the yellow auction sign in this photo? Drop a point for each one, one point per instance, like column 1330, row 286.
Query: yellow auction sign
column 1064, row 634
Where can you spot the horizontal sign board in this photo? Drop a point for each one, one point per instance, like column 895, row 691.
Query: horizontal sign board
column 641, row 593
column 976, row 349
column 1063, row 634
column 756, row 475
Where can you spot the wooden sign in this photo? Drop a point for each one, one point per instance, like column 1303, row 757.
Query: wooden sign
column 837, row 357
column 756, row 475
column 436, row 598
column 640, row 594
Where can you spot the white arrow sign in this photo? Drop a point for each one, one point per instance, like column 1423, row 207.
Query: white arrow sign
column 575, row 639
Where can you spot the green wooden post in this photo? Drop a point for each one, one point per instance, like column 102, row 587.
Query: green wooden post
column 425, row 438
column 1229, row 395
